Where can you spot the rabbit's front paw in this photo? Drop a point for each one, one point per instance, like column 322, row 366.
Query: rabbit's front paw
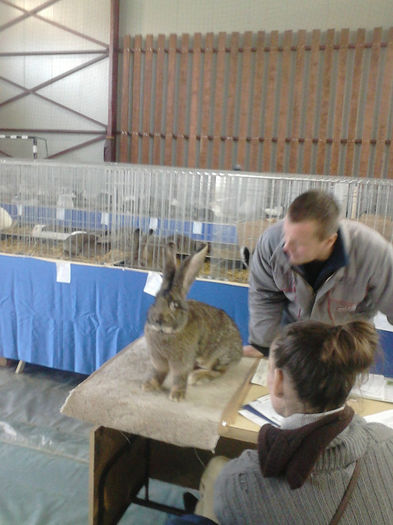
column 177, row 394
column 151, row 385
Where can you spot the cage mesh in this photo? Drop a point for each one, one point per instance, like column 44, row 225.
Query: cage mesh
column 123, row 215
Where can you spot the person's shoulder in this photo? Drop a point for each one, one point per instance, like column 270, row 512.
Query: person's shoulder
column 377, row 433
column 359, row 228
column 361, row 236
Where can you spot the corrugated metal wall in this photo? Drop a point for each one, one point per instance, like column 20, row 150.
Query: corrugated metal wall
column 54, row 77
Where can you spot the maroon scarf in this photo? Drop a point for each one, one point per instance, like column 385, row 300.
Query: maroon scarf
column 293, row 453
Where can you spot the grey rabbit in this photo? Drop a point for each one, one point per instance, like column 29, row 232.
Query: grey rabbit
column 192, row 340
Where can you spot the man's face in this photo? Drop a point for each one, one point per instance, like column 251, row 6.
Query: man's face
column 302, row 244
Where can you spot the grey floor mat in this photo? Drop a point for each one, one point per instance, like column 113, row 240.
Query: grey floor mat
column 44, row 455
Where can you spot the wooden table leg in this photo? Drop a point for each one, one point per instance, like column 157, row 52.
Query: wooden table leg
column 117, row 472
column 121, row 464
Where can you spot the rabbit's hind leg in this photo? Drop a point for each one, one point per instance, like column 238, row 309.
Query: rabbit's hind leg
column 203, row 375
column 154, row 382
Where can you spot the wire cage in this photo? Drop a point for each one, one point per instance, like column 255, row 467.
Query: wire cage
column 123, row 215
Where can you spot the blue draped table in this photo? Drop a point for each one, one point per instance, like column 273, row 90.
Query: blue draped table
column 80, row 324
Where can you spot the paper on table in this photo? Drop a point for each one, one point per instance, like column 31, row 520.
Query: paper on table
column 260, row 376
column 386, row 418
column 262, row 408
column 253, row 417
column 381, row 323
column 376, row 387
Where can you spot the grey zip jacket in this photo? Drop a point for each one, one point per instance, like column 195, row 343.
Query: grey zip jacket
column 279, row 293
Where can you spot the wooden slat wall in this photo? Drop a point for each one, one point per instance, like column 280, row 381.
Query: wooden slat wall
column 258, row 90
column 158, row 100
column 125, row 97
column 136, row 101
column 298, row 88
column 192, row 149
column 339, row 100
column 206, row 108
column 298, row 102
column 218, row 103
column 147, row 93
column 284, row 92
column 311, row 86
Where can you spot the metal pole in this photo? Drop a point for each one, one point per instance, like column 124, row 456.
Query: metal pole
column 110, row 142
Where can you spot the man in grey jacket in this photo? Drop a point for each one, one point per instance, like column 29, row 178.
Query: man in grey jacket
column 311, row 265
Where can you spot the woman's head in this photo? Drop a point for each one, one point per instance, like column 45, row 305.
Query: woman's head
column 320, row 362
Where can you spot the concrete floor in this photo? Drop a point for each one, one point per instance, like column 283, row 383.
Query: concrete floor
column 44, row 455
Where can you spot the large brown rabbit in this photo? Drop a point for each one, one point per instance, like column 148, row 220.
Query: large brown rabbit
column 192, row 340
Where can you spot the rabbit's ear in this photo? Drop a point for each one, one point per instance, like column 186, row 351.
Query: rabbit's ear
column 189, row 269
column 135, row 244
column 136, row 234
column 146, row 246
column 169, row 265
column 146, row 238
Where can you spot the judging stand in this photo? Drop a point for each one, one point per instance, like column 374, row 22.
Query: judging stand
column 143, row 435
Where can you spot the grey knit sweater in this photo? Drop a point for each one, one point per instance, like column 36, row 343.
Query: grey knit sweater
column 244, row 497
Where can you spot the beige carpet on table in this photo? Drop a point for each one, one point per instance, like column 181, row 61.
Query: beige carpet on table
column 112, row 397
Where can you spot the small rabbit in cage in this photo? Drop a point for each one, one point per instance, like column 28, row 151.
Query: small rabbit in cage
column 80, row 243
column 151, row 247
column 191, row 340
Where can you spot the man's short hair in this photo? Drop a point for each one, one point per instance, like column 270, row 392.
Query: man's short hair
column 318, row 206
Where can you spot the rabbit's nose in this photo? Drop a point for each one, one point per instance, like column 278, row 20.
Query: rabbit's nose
column 157, row 319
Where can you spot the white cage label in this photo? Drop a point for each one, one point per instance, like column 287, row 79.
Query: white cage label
column 105, row 218
column 63, row 272
column 153, row 283
column 153, row 223
column 60, row 214
column 197, row 228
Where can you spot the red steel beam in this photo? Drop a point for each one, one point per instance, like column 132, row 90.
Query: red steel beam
column 110, row 142
column 76, row 147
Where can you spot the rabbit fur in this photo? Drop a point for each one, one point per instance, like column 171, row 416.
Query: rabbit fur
column 192, row 340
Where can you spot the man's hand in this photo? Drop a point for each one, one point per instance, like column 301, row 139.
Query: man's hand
column 250, row 351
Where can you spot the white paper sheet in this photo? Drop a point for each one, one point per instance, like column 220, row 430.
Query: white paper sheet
column 105, row 218
column 376, row 387
column 381, row 323
column 60, row 214
column 197, row 228
column 153, row 223
column 262, row 408
column 260, row 421
column 260, row 376
column 153, row 283
column 63, row 272
column 386, row 418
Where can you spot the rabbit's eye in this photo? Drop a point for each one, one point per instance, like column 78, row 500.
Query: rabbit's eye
column 174, row 305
